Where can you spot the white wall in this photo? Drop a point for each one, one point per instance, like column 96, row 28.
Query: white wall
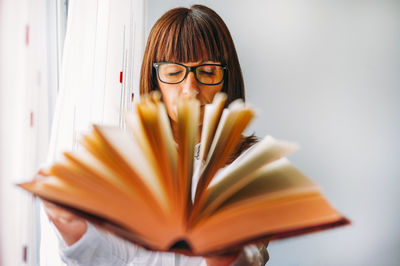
column 326, row 74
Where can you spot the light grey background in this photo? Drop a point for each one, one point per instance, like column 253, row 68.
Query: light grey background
column 326, row 74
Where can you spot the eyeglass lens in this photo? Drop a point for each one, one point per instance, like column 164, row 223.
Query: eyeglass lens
column 174, row 73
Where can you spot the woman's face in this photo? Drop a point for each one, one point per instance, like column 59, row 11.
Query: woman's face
column 171, row 93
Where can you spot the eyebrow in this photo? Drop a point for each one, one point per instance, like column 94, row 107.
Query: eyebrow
column 207, row 61
column 198, row 63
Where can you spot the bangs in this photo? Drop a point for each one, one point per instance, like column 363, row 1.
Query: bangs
column 189, row 38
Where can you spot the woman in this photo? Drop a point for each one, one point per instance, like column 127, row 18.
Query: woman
column 189, row 52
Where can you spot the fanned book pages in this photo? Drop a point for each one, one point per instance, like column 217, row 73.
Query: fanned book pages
column 138, row 182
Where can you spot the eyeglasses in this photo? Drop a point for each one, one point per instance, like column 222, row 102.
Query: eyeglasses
column 174, row 73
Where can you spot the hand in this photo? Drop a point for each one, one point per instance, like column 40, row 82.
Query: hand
column 224, row 260
column 70, row 226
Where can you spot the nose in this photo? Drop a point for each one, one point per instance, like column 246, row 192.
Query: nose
column 190, row 86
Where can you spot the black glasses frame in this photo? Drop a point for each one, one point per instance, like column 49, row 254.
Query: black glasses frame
column 190, row 69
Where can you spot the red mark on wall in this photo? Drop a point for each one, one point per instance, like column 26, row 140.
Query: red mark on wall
column 132, row 96
column 31, row 119
column 27, row 35
column 25, row 253
column 120, row 77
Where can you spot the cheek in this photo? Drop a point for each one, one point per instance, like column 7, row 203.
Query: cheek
column 209, row 93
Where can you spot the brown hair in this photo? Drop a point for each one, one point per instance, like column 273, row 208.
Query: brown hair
column 191, row 35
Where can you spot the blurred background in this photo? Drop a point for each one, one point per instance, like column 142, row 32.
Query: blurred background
column 322, row 73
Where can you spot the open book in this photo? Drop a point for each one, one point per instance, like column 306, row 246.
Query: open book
column 138, row 182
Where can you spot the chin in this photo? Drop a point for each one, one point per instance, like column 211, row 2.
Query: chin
column 201, row 115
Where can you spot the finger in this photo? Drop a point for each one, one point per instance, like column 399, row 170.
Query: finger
column 56, row 212
column 219, row 261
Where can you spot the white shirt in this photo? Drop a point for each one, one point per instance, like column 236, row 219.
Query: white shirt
column 99, row 248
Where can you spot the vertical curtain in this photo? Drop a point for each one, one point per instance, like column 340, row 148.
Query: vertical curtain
column 98, row 80
column 27, row 96
column 46, row 95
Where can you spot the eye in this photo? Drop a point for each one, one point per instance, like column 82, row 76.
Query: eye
column 207, row 73
column 171, row 70
column 207, row 70
column 175, row 73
